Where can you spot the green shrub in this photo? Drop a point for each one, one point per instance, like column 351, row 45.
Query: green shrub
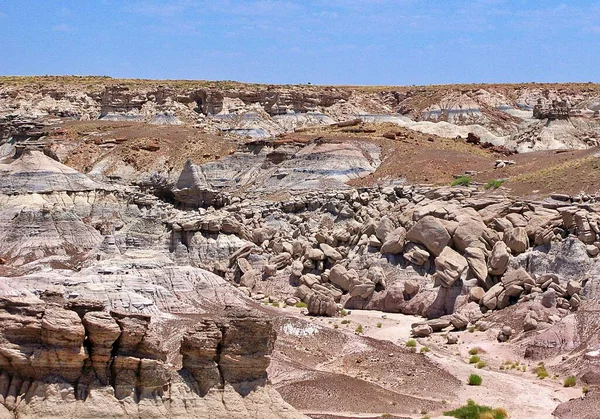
column 462, row 181
column 570, row 381
column 301, row 304
column 474, row 411
column 474, row 359
column 379, row 325
column 275, row 304
column 584, row 389
column 475, row 380
column 344, row 312
column 359, row 329
column 411, row 343
column 473, row 351
column 541, row 372
column 480, row 364
column 424, row 349
column 345, row 321
column 471, row 329
column 493, row 184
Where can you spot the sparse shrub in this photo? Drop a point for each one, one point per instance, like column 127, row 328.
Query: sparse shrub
column 481, row 364
column 541, row 372
column 345, row 321
column 475, row 380
column 344, row 312
column 570, row 381
column 301, row 304
column 379, row 325
column 584, row 389
column 275, row 304
column 336, row 326
column 424, row 349
column 473, row 351
column 411, row 343
column 493, row 184
column 471, row 329
column 474, row 411
column 474, row 359
column 359, row 329
column 462, row 181
column 413, row 350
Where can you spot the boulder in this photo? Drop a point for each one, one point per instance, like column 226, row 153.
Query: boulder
column 450, row 265
column 315, row 254
column 415, row 253
column 574, row 287
column 421, row 331
column 377, row 276
column 476, row 294
column 468, row 233
column 330, row 252
column 394, row 242
column 549, row 298
column 518, row 277
column 431, row 233
column 321, row 305
column 339, row 276
column 476, row 260
column 499, row 258
column 384, row 227
column 490, row 298
column 516, row 239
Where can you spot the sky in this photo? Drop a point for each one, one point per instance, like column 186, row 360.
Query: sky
column 359, row 42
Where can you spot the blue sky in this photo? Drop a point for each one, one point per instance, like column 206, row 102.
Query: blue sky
column 376, row 42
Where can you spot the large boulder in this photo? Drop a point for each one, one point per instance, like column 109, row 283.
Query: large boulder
column 384, row 227
column 516, row 239
column 340, row 276
column 468, row 233
column 394, row 242
column 321, row 305
column 431, row 233
column 476, row 259
column 450, row 265
column 498, row 260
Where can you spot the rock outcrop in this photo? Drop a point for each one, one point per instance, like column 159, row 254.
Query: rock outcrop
column 115, row 364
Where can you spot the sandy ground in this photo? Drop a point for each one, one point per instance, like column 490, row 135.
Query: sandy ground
column 521, row 393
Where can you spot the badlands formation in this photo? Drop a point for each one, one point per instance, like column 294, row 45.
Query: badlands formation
column 218, row 249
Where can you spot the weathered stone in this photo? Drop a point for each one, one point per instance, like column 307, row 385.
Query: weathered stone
column 394, row 242
column 416, row 254
column 499, row 258
column 449, row 266
column 431, row 233
column 516, row 239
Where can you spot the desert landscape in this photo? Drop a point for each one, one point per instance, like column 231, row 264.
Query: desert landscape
column 230, row 250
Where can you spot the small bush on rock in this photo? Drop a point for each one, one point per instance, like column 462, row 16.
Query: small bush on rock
column 301, row 304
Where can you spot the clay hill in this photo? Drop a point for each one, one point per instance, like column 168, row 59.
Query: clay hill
column 219, row 249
